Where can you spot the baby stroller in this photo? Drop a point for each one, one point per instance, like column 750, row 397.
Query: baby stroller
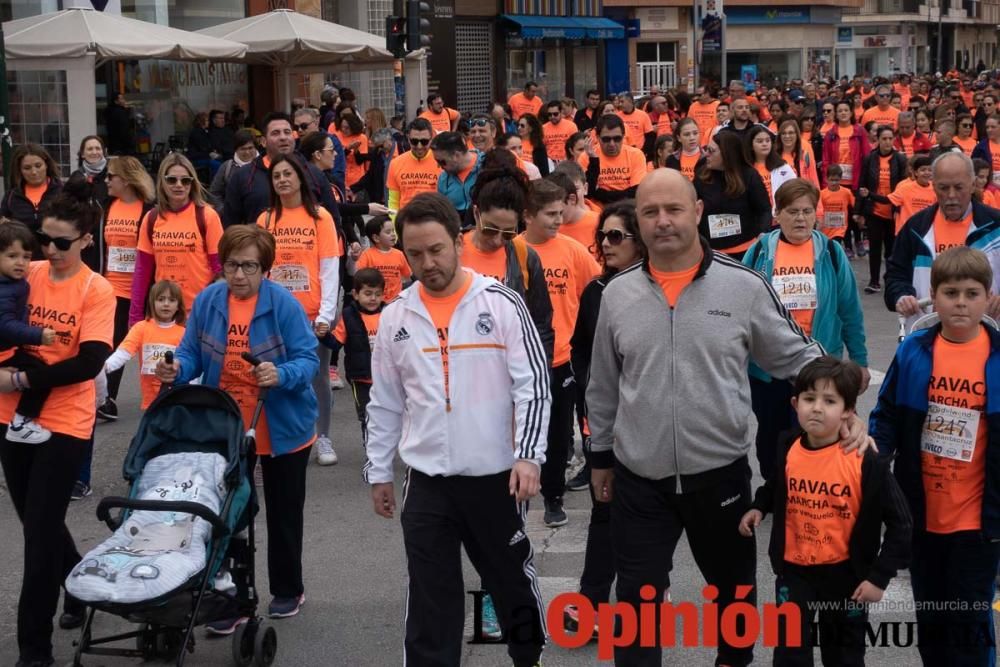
column 182, row 552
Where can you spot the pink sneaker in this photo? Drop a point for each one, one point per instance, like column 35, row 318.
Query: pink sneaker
column 335, row 381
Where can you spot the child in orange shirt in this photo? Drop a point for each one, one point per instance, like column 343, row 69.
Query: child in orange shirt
column 355, row 332
column 837, row 204
column 579, row 222
column 913, row 195
column 985, row 191
column 829, row 505
column 159, row 333
column 383, row 256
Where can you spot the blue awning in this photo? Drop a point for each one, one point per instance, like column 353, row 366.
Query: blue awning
column 565, row 27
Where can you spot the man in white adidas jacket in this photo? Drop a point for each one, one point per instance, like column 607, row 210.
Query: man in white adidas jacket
column 460, row 387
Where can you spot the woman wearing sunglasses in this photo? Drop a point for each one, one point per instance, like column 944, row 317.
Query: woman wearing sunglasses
column 846, row 144
column 80, row 305
column 964, row 139
column 533, row 142
column 34, row 181
column 178, row 238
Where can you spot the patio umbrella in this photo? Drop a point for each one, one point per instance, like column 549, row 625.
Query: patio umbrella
column 72, row 33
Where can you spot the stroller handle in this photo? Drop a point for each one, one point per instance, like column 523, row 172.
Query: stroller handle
column 107, row 504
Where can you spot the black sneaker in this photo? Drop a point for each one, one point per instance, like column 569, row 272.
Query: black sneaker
column 873, row 288
column 109, row 411
column 74, row 613
column 580, row 481
column 44, row 662
column 554, row 514
column 80, row 491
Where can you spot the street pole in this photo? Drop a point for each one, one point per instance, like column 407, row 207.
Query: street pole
column 722, row 45
column 940, row 17
column 693, row 52
column 5, row 142
column 398, row 76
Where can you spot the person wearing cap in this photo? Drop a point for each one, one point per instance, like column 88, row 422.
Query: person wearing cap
column 796, row 102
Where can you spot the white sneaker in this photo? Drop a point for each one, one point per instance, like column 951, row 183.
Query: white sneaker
column 335, row 381
column 26, row 430
column 325, row 455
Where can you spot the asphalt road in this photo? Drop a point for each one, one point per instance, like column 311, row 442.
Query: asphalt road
column 354, row 566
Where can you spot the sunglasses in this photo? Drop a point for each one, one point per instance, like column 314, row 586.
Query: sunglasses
column 61, row 243
column 479, row 122
column 613, row 140
column 827, row 110
column 493, row 231
column 613, row 236
column 303, row 126
column 553, row 114
column 419, row 142
column 883, row 95
column 174, row 180
column 965, row 124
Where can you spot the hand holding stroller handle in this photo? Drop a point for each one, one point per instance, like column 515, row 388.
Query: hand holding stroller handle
column 107, row 504
column 250, row 359
column 168, row 357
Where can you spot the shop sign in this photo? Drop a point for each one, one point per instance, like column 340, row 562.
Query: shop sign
column 658, row 18
column 845, row 35
column 766, row 15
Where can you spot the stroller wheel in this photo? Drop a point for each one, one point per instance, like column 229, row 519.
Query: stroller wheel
column 243, row 644
column 265, row 645
column 147, row 642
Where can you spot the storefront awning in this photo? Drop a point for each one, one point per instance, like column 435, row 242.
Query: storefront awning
column 565, row 27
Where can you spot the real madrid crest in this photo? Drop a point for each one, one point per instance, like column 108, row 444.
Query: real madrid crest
column 484, row 325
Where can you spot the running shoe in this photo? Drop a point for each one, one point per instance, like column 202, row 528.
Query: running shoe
column 873, row 288
column 26, row 430
column 225, row 626
column 80, row 491
column 580, row 481
column 285, row 607
column 74, row 613
column 335, row 381
column 325, row 455
column 108, row 411
column 571, row 621
column 555, row 516
column 491, row 625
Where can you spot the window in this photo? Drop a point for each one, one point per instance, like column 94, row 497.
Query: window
column 656, row 52
column 39, row 113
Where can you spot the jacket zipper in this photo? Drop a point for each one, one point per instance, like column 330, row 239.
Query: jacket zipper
column 673, row 383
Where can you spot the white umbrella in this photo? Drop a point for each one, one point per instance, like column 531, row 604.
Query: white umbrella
column 72, row 33
column 284, row 38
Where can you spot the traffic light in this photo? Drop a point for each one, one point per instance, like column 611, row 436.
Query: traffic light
column 395, row 35
column 417, row 27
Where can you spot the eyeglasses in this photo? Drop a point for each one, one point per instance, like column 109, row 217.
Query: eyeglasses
column 419, row 142
column 174, row 180
column 248, row 268
column 493, row 231
column 614, row 236
column 61, row 243
column 617, row 139
column 965, row 124
column 303, row 126
column 479, row 122
column 883, row 95
column 827, row 110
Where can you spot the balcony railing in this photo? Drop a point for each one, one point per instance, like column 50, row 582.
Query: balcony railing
column 662, row 75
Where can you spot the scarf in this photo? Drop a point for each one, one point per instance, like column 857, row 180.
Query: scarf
column 92, row 170
column 241, row 163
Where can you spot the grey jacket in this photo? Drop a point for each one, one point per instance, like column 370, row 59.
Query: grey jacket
column 669, row 393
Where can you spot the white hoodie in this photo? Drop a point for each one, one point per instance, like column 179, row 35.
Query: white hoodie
column 498, row 381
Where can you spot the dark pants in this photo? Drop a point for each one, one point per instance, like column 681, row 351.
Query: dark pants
column 881, row 234
column 852, row 238
column 40, row 479
column 362, row 394
column 842, row 630
column 560, row 432
column 647, row 519
column 772, row 406
column 32, row 400
column 598, row 561
column 285, row 498
column 955, row 567
column 122, row 306
column 439, row 516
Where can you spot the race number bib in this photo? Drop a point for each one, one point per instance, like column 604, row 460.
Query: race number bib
column 121, row 260
column 724, row 224
column 152, row 353
column 847, row 171
column 293, row 277
column 834, row 220
column 950, row 432
column 797, row 291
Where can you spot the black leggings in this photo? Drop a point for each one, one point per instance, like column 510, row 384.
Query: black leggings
column 122, row 306
column 881, row 234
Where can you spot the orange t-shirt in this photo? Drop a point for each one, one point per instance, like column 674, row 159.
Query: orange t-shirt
column 794, row 280
column 950, row 234
column 765, row 175
column 637, row 124
column 995, row 167
column 301, row 243
column 355, row 172
column 441, row 309
column 237, row 377
column 80, row 309
column 409, row 176
column 179, row 251
column 520, row 105
column 492, row 265
column 688, row 163
column 370, row 320
column 151, row 341
column 884, row 187
column 837, row 207
column 441, row 122
column 704, row 116
column 907, row 143
column 888, row 117
column 34, row 193
column 391, row 264
column 904, row 93
column 625, row 170
column 568, row 267
column 583, row 231
column 911, row 198
column 991, row 198
column 824, row 498
column 555, row 137
column 967, row 145
column 673, row 282
column 121, row 234
column 954, row 439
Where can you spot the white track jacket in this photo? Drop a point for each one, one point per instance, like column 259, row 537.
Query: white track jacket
column 497, row 407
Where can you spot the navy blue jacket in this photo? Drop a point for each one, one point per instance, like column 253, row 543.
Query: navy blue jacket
column 898, row 420
column 357, row 347
column 982, row 151
column 14, row 327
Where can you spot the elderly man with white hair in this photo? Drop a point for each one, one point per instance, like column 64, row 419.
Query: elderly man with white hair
column 957, row 219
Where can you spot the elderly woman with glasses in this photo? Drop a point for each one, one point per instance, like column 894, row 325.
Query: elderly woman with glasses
column 247, row 313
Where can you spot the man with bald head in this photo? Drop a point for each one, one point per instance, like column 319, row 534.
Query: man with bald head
column 909, row 140
column 669, row 403
column 957, row 219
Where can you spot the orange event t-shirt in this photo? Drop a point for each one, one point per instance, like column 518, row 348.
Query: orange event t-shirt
column 824, row 498
column 34, row 193
column 673, row 282
column 637, row 124
column 391, row 264
column 888, row 117
column 583, row 231
column 844, row 146
column 80, row 309
column 355, row 172
column 621, row 172
column 409, row 176
column 121, row 234
column 555, row 137
column 704, row 116
column 179, row 251
column 568, row 267
column 967, row 145
column 837, row 206
column 237, row 377
column 688, row 163
column 949, row 234
column 520, row 105
column 995, row 167
column 954, row 439
column 765, row 175
column 150, row 340
column 301, row 243
column 441, row 309
column 440, row 122
column 492, row 264
column 911, row 198
column 882, row 209
column 794, row 280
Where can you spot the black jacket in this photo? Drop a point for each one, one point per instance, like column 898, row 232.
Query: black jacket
column 753, row 207
column 18, row 207
column 199, row 144
column 869, row 179
column 14, row 327
column 98, row 185
column 223, row 140
column 882, row 502
column 582, row 342
column 583, row 121
column 118, row 120
column 536, row 295
column 357, row 347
